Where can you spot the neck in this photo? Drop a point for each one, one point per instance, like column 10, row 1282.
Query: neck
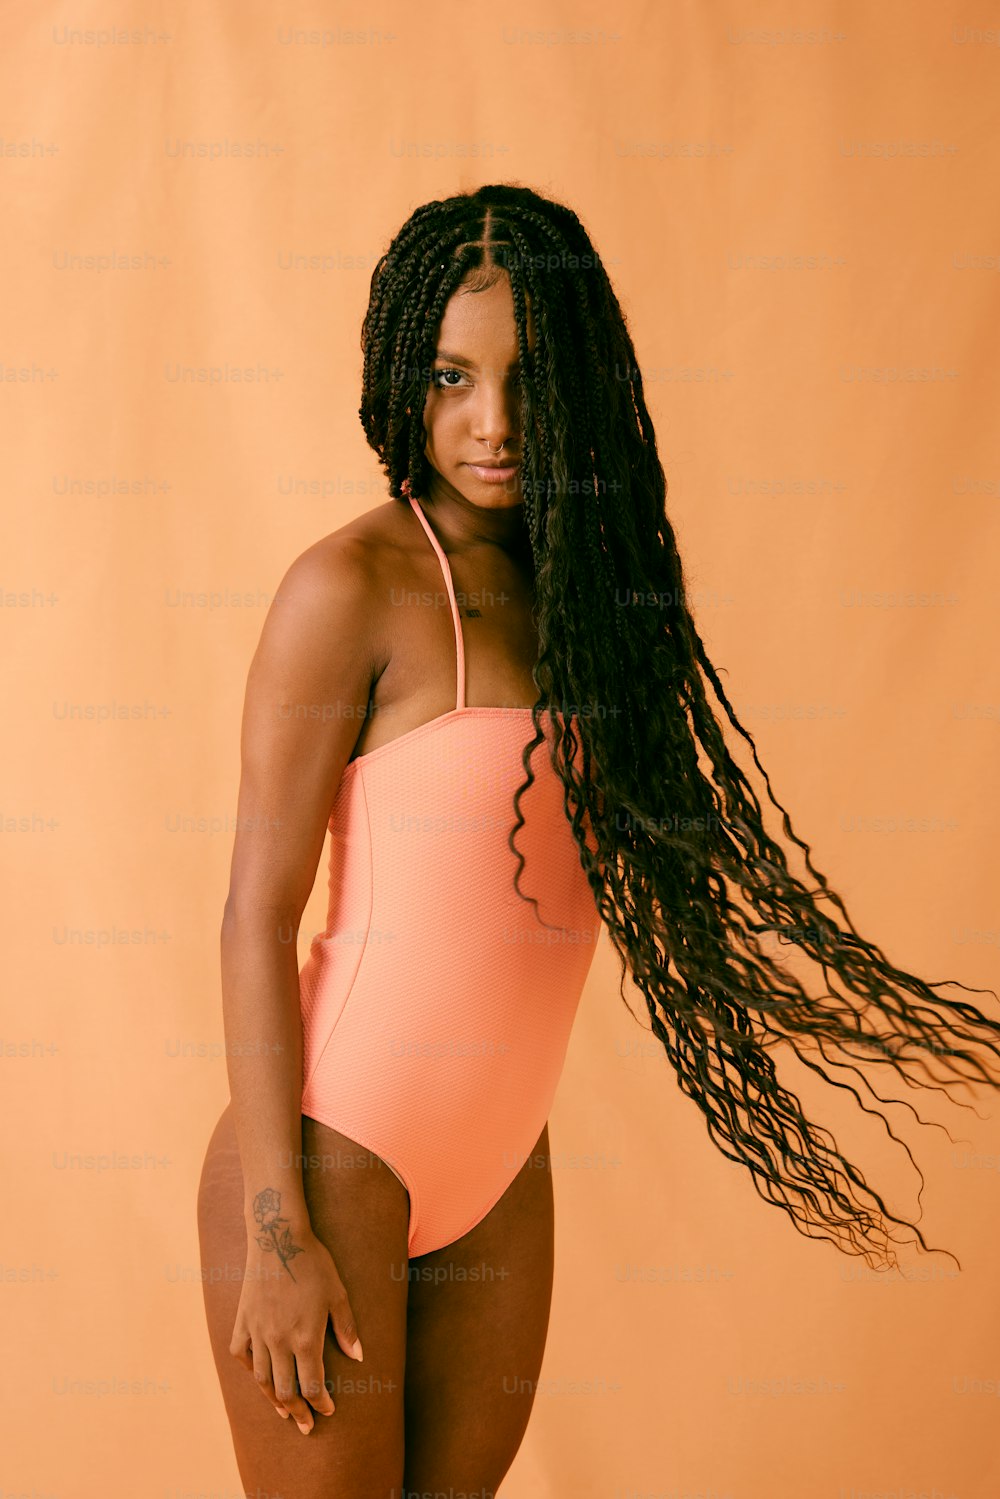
column 459, row 524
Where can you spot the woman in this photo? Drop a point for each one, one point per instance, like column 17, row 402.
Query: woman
column 492, row 691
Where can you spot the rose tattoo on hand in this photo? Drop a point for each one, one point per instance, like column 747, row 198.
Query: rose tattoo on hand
column 274, row 1236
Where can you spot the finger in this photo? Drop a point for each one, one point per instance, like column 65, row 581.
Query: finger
column 242, row 1350
column 287, row 1389
column 344, row 1326
column 239, row 1346
column 261, row 1367
column 312, row 1380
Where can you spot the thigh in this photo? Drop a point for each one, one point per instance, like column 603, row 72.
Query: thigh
column 360, row 1211
column 477, row 1320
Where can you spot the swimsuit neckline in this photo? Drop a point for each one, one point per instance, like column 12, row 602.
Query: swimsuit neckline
column 432, row 723
column 460, row 707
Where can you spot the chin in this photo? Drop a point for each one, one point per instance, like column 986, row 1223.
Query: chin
column 488, row 496
column 500, row 500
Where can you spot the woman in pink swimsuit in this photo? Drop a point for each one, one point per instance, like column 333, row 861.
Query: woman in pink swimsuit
column 491, row 692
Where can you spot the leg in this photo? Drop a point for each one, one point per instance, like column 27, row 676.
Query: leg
column 360, row 1211
column 476, row 1326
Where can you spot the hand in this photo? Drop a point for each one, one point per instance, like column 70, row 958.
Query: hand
column 281, row 1323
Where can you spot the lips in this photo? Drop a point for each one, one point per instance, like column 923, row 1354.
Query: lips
column 493, row 473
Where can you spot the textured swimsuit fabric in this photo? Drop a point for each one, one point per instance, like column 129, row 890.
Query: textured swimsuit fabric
column 437, row 1005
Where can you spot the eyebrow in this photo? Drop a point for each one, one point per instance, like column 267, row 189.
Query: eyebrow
column 469, row 364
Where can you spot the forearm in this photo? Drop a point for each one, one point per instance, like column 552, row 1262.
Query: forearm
column 263, row 1026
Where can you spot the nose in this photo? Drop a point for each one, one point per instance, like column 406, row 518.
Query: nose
column 497, row 413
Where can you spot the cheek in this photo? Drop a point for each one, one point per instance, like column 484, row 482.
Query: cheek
column 442, row 420
column 435, row 412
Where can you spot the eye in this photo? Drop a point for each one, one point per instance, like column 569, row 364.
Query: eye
column 437, row 378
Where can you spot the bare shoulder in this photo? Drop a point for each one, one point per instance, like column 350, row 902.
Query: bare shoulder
column 350, row 562
column 331, row 632
column 343, row 583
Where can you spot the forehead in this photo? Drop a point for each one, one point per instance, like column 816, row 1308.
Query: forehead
column 483, row 321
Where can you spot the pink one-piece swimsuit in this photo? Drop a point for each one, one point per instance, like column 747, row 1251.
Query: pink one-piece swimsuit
column 437, row 1007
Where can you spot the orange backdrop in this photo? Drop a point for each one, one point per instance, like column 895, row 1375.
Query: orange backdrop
column 802, row 229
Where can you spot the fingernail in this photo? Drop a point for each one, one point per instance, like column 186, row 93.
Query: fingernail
column 283, row 1413
column 356, row 1351
column 305, row 1430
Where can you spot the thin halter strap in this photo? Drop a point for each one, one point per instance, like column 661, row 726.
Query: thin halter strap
column 459, row 643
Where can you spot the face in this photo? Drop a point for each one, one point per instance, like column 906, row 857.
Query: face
column 473, row 400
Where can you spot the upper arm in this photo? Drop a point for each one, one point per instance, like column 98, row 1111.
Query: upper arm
column 306, row 696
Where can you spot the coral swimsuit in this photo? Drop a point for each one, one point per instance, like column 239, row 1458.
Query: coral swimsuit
column 436, row 1006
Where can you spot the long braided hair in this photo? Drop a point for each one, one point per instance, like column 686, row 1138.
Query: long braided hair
column 693, row 891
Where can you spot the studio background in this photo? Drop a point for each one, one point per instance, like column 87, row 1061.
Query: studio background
column 802, row 231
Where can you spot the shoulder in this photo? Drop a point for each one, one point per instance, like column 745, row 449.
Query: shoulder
column 351, row 567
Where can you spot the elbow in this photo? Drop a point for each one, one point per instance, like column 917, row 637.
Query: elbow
column 244, row 917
